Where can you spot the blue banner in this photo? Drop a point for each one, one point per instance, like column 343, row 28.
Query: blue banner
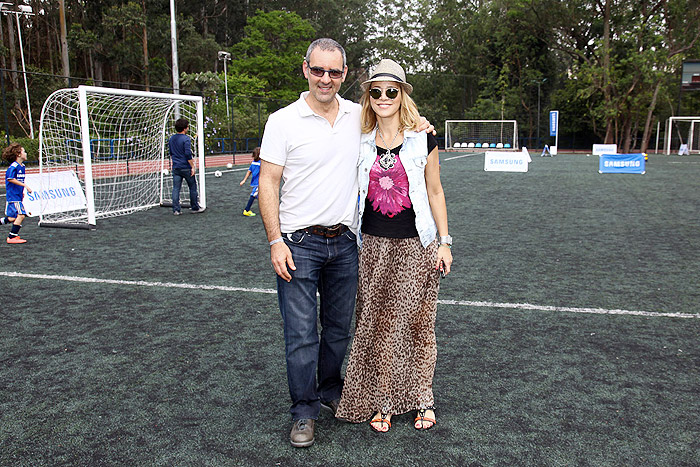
column 553, row 122
column 622, row 163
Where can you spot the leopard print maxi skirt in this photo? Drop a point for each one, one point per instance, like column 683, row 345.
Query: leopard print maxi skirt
column 393, row 355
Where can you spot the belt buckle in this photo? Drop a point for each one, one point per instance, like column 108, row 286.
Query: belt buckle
column 334, row 231
column 327, row 232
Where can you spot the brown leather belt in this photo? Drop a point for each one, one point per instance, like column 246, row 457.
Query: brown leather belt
column 328, row 232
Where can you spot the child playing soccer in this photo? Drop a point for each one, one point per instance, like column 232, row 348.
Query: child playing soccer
column 253, row 170
column 14, row 191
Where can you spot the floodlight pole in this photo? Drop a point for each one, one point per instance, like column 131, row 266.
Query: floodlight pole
column 225, row 56
column 173, row 43
column 538, row 114
column 538, row 110
column 23, row 10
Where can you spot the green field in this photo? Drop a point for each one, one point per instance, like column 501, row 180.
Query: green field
column 567, row 333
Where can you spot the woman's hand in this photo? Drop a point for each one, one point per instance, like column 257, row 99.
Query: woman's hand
column 444, row 259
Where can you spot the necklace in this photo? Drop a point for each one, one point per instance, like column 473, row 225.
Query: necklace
column 387, row 160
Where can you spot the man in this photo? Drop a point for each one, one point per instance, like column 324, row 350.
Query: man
column 180, row 146
column 313, row 144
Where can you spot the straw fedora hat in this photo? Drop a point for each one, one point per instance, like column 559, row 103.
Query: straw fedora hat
column 388, row 70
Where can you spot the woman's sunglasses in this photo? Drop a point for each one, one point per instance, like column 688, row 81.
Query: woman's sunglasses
column 376, row 93
column 319, row 72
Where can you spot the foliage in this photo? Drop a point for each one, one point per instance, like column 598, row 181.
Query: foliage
column 31, row 146
column 622, row 51
column 611, row 67
column 195, row 52
column 272, row 50
column 205, row 82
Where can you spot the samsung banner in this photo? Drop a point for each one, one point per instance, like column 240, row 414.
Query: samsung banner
column 554, row 131
column 504, row 161
column 599, row 149
column 53, row 192
column 621, row 163
column 554, row 123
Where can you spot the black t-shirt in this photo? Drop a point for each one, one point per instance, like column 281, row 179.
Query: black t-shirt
column 388, row 210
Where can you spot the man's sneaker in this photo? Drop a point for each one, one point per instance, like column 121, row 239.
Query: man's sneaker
column 199, row 210
column 302, row 435
column 249, row 213
column 331, row 405
column 16, row 239
column 176, row 213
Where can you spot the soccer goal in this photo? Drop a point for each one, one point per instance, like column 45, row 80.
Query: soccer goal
column 112, row 145
column 683, row 130
column 481, row 135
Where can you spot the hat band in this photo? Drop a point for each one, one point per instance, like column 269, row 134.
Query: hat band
column 386, row 74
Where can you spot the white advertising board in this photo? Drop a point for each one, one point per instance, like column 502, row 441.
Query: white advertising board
column 53, row 192
column 502, row 161
column 600, row 149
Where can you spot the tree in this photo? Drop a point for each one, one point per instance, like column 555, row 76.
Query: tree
column 622, row 52
column 125, row 25
column 272, row 50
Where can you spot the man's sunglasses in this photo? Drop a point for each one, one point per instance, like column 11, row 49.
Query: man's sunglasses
column 376, row 93
column 319, row 72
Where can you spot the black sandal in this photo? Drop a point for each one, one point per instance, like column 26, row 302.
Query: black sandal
column 380, row 417
column 420, row 417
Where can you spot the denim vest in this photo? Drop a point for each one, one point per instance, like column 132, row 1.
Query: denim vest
column 414, row 157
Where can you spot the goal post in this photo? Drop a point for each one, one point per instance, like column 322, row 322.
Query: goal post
column 113, row 145
column 680, row 131
column 481, row 135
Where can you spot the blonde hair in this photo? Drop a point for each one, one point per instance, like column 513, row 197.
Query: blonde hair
column 409, row 118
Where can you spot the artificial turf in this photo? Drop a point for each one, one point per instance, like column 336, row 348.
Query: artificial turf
column 120, row 372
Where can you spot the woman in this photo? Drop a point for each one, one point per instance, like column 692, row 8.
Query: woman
column 402, row 210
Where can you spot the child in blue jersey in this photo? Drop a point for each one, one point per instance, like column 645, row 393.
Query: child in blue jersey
column 253, row 170
column 14, row 191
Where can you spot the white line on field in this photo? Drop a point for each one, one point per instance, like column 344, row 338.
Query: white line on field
column 467, row 303
column 465, row 155
column 176, row 285
column 597, row 311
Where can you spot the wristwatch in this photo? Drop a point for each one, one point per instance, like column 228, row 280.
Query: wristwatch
column 446, row 240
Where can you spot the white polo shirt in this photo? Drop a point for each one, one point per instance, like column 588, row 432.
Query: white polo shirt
column 320, row 164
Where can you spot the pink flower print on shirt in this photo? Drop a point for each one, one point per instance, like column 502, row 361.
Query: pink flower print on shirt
column 388, row 189
column 386, row 183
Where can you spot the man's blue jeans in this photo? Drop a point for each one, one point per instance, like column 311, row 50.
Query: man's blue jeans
column 178, row 176
column 329, row 266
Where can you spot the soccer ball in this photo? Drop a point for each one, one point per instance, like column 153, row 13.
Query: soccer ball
column 229, row 165
column 165, row 171
column 217, row 174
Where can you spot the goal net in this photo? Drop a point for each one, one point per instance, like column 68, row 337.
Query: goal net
column 680, row 131
column 114, row 142
column 481, row 135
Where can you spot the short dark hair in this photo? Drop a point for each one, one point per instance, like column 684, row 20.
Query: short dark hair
column 181, row 124
column 328, row 45
column 12, row 152
column 256, row 154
